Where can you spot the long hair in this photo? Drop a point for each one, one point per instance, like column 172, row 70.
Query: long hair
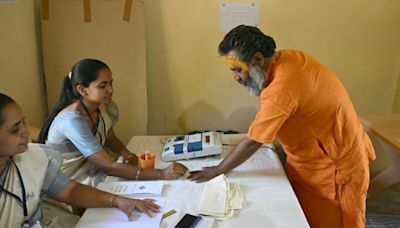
column 82, row 73
column 4, row 101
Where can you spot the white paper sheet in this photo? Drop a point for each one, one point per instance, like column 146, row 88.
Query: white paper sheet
column 132, row 187
column 234, row 14
column 199, row 163
column 113, row 217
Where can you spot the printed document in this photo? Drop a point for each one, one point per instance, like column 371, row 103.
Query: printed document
column 132, row 187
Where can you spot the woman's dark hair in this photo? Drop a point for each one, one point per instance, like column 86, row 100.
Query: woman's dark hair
column 82, row 73
column 4, row 101
column 246, row 41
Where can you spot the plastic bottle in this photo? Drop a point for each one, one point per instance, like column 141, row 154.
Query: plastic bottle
column 147, row 160
column 147, row 155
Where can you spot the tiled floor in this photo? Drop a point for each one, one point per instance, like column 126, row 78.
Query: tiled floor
column 382, row 221
column 384, row 208
column 385, row 202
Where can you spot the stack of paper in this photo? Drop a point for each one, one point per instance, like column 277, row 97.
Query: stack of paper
column 220, row 198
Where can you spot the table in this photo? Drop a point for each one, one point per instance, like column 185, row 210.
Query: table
column 387, row 129
column 270, row 199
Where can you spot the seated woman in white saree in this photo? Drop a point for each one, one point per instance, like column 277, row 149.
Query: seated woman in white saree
column 30, row 171
column 81, row 127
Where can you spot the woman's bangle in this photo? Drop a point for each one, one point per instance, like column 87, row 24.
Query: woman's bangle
column 112, row 200
column 137, row 173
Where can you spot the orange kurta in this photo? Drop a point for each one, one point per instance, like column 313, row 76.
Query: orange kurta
column 307, row 108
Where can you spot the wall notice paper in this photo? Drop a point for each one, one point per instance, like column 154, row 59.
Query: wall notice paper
column 234, row 14
column 132, row 187
column 114, row 217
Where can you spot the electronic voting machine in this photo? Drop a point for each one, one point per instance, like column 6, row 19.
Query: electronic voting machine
column 192, row 146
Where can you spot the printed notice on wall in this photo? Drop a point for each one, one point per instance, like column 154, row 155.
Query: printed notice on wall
column 234, row 14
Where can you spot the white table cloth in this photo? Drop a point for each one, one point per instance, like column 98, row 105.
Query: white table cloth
column 269, row 197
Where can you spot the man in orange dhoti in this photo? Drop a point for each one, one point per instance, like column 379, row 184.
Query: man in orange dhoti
column 306, row 107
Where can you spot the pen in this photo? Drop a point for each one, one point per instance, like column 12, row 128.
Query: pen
column 167, row 214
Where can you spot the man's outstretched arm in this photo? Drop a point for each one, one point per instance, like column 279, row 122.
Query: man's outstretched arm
column 241, row 153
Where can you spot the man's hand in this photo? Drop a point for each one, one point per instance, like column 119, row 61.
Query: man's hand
column 240, row 153
column 206, row 174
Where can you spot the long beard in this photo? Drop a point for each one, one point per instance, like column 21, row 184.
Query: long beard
column 255, row 81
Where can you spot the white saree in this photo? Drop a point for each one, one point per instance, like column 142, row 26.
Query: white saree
column 35, row 178
column 75, row 164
